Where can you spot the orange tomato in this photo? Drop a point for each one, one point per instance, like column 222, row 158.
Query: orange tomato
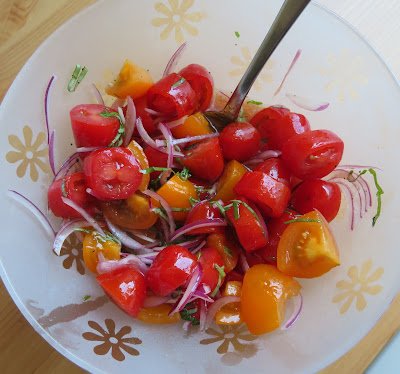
column 307, row 249
column 232, row 173
column 193, row 125
column 263, row 301
column 227, row 249
column 132, row 81
column 177, row 193
column 131, row 213
column 138, row 152
column 158, row 315
column 230, row 314
column 93, row 245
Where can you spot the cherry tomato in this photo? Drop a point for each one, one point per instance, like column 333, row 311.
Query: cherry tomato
column 90, row 128
column 73, row 187
column 202, row 186
column 232, row 173
column 155, row 158
column 317, row 194
column 313, row 154
column 159, row 315
column 139, row 154
column 227, row 248
column 230, row 314
column 202, row 211
column 205, row 159
column 194, row 125
column 172, row 96
column 202, row 84
column 170, row 269
column 147, row 119
column 270, row 195
column 276, row 169
column 208, row 259
column 263, row 301
column 126, row 287
column 233, row 276
column 239, row 141
column 247, row 226
column 112, row 173
column 307, row 248
column 268, row 115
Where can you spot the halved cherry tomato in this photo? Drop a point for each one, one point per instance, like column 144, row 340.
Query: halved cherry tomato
column 230, row 314
column 317, row 194
column 139, row 154
column 247, row 226
column 307, row 248
column 227, row 249
column 263, row 301
column 155, row 158
column 131, row 213
column 93, row 244
column 204, row 159
column 268, row 115
column 90, row 128
column 126, row 287
column 313, row 154
column 194, row 125
column 72, row 187
column 202, row 83
column 147, row 119
column 202, row 186
column 112, row 173
column 209, row 258
column 170, row 269
column 132, row 81
column 159, row 315
column 201, row 211
column 276, row 169
column 270, row 195
column 239, row 141
column 172, row 96
column 232, row 173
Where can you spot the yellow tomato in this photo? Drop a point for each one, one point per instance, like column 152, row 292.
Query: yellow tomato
column 138, row 152
column 232, row 173
column 230, row 314
column 194, row 125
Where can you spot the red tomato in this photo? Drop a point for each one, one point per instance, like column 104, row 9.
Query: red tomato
column 317, row 194
column 112, row 173
column 205, row 159
column 276, row 132
column 90, row 128
column 147, row 119
column 202, row 211
column 239, row 141
column 209, row 257
column 202, row 84
column 313, row 154
column 170, row 269
column 233, row 276
column 201, row 187
column 276, row 169
column 172, row 96
column 270, row 195
column 155, row 158
column 74, row 189
column 126, row 288
column 268, row 114
column 248, row 228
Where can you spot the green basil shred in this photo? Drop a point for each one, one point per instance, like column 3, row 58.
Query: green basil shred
column 63, row 189
column 178, row 83
column 221, row 275
column 117, row 141
column 77, row 77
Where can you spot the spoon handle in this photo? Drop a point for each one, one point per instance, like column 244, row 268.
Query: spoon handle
column 289, row 12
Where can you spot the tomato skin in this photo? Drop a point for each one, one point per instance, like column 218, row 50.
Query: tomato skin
column 126, row 287
column 202, row 84
column 76, row 191
column 209, row 257
column 317, row 194
column 313, row 154
column 147, row 119
column 227, row 248
column 200, row 185
column 270, row 195
column 155, row 158
column 170, row 269
column 205, row 159
column 90, row 129
column 276, row 169
column 112, row 173
column 202, row 211
column 268, row 115
column 172, row 101
column 239, row 141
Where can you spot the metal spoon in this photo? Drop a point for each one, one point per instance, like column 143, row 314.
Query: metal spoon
column 289, row 12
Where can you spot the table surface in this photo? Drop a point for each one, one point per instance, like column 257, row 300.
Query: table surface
column 24, row 25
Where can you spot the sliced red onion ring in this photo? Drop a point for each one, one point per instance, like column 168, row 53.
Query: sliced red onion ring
column 34, row 209
column 94, row 194
column 51, row 152
column 197, row 225
column 153, row 112
column 84, row 214
column 296, row 57
column 260, row 219
column 118, row 103
column 243, row 262
column 307, row 104
column 166, row 131
column 174, row 60
column 105, row 266
column 153, row 300
column 200, row 295
column 216, row 306
column 224, row 94
column 130, row 121
column 189, row 139
column 121, row 114
column 200, row 246
column 87, row 149
column 46, row 100
column 66, row 231
column 261, row 157
column 66, row 166
column 297, row 309
column 177, row 122
column 97, row 94
column 141, row 234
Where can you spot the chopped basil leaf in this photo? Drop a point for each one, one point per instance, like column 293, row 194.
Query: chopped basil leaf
column 180, row 209
column 242, row 117
column 87, row 297
column 221, row 275
column 273, row 258
column 161, row 213
column 117, row 141
column 154, row 168
column 178, row 83
column 184, row 174
column 198, row 255
column 350, row 177
column 236, row 210
column 237, row 34
column 193, row 201
column 379, row 194
column 251, row 211
column 303, row 220
column 63, row 190
column 220, row 207
column 228, row 251
column 186, row 314
column 83, row 230
column 77, row 77
column 254, row 102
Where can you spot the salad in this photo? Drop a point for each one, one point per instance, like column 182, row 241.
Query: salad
column 181, row 222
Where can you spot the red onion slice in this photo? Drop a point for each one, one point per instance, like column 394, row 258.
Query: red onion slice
column 87, row 149
column 130, row 121
column 307, row 104
column 153, row 112
column 165, row 130
column 297, row 309
column 174, row 60
column 197, row 225
column 216, row 306
column 243, row 262
column 97, row 94
column 66, row 166
column 200, row 246
column 105, row 266
column 296, row 57
column 261, row 157
column 46, row 100
column 66, row 231
column 153, row 300
column 260, row 219
column 51, row 152
column 118, row 103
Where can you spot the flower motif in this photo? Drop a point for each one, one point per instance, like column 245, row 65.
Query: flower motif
column 244, row 63
column 71, row 249
column 360, row 284
column 112, row 340
column 345, row 71
column 29, row 154
column 176, row 18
